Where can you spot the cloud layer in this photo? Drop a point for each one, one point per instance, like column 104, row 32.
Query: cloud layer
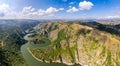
column 113, row 17
column 30, row 12
column 71, row 10
column 85, row 5
column 4, row 9
column 27, row 12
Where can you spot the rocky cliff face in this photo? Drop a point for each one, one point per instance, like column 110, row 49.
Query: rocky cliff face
column 74, row 43
column 1, row 44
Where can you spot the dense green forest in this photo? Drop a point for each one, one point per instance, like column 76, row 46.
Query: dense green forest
column 11, row 39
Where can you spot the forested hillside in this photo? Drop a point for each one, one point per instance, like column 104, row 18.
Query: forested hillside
column 11, row 39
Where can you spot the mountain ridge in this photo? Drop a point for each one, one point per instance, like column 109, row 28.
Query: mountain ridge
column 74, row 43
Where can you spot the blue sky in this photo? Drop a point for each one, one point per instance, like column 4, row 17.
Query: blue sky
column 59, row 9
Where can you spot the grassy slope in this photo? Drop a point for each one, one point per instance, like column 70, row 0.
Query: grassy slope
column 93, row 46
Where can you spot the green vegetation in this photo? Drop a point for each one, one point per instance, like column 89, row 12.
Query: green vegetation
column 11, row 34
column 103, row 51
column 55, row 51
column 76, row 43
column 94, row 44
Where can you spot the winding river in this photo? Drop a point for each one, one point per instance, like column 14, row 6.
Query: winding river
column 30, row 60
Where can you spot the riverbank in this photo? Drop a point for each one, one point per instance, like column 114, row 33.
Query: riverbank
column 57, row 61
column 39, row 60
column 33, row 55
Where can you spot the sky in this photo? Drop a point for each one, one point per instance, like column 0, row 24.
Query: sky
column 59, row 9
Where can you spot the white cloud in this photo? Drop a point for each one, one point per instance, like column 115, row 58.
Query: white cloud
column 71, row 3
column 4, row 9
column 27, row 10
column 51, row 10
column 85, row 5
column 61, row 9
column 113, row 16
column 40, row 12
column 108, row 17
column 30, row 12
column 71, row 10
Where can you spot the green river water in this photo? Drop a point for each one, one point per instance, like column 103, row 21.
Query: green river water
column 30, row 60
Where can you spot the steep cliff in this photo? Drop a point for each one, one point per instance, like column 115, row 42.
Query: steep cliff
column 73, row 43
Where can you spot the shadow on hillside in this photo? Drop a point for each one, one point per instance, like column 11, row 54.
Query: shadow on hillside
column 107, row 28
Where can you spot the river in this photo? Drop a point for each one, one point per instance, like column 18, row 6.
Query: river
column 30, row 60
